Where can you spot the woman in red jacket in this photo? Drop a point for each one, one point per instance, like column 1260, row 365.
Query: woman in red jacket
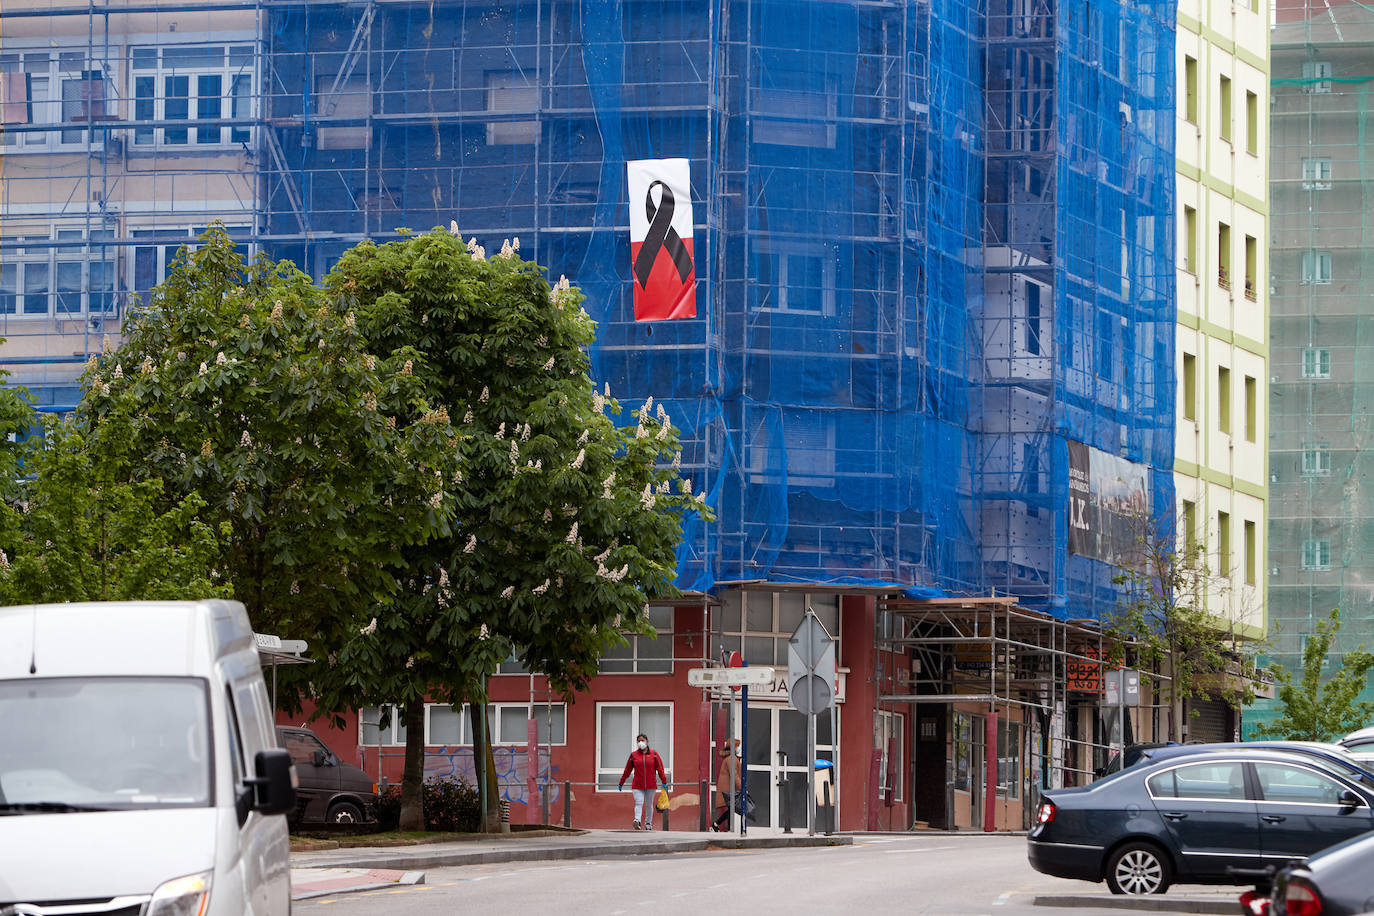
column 644, row 762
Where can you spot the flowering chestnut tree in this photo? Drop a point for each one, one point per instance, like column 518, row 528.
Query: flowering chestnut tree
column 318, row 460
column 564, row 524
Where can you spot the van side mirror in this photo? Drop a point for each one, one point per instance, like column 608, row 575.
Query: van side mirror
column 1349, row 799
column 320, row 759
column 274, row 787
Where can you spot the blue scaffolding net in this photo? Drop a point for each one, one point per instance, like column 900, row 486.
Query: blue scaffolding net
column 934, row 242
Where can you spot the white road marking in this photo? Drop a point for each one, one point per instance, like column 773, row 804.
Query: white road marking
column 898, row 852
column 1000, row 901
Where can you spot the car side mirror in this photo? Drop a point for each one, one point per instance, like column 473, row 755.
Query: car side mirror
column 1349, row 799
column 321, row 759
column 274, row 787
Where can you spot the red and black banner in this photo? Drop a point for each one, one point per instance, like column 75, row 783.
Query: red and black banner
column 662, row 257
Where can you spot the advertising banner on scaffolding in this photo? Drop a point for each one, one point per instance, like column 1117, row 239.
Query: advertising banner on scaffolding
column 662, row 254
column 1109, row 501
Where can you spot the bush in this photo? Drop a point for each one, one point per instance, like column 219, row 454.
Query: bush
column 450, row 806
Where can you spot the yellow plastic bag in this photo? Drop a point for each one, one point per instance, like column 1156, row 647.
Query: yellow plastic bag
column 661, row 800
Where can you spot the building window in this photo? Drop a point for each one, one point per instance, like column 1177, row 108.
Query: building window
column 66, row 274
column 1189, row 387
column 962, row 741
column 1316, row 75
column 1223, row 256
column 192, row 85
column 1316, row 267
column 1189, row 239
column 1224, row 544
column 761, row 632
column 799, row 447
column 1033, row 329
column 889, row 731
column 1316, row 461
column 617, row 724
column 1316, row 362
column 381, row 726
column 1316, row 173
column 1316, row 553
column 1224, row 96
column 512, row 91
column 452, row 726
column 1252, row 123
column 1224, row 399
column 645, row 654
column 1251, row 409
column 1189, row 526
column 1008, row 759
column 1251, row 552
column 803, row 277
column 796, row 109
column 1190, row 84
column 62, row 88
column 1251, row 268
column 156, row 251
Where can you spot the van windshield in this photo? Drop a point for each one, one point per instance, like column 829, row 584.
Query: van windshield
column 76, row 744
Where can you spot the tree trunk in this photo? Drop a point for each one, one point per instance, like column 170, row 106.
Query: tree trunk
column 413, row 782
column 484, row 761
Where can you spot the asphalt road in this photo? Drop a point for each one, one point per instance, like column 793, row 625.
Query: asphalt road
column 888, row 874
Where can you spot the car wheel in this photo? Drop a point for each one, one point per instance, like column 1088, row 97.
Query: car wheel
column 1137, row 869
column 344, row 813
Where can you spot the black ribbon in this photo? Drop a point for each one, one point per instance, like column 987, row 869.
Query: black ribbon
column 661, row 236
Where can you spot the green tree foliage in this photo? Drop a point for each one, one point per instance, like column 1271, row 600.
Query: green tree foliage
column 79, row 534
column 565, row 525
column 1315, row 710
column 248, row 388
column 1162, row 624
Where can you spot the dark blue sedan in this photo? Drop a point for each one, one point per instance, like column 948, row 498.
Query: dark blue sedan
column 1218, row 818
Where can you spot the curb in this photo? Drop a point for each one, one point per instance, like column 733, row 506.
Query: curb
column 554, row 853
column 1152, row 904
column 410, row 877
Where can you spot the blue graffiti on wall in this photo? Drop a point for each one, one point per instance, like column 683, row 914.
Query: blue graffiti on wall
column 512, row 770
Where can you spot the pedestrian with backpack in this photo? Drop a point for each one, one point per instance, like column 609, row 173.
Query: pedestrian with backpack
column 647, row 768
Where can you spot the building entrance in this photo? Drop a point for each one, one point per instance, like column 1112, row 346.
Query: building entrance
column 777, row 760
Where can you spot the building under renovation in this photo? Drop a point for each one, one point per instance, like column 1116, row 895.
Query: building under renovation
column 1321, row 517
column 932, row 362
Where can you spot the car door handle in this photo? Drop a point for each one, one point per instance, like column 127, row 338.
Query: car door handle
column 1174, row 815
column 1273, row 818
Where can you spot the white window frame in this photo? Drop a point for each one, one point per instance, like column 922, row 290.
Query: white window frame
column 736, row 632
column 789, row 116
column 164, row 254
column 1316, row 362
column 56, row 68
column 810, row 450
column 1316, row 173
column 498, row 736
column 1319, row 70
column 778, row 297
column 1316, row 553
column 391, row 736
column 611, row 769
column 639, row 663
column 1316, row 460
column 1316, row 267
column 44, row 257
column 891, row 725
column 232, row 69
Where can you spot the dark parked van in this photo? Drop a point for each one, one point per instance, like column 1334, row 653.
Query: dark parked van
column 330, row 792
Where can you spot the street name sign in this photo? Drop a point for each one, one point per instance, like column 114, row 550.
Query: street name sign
column 730, row 677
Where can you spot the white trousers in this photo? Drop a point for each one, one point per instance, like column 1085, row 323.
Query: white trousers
column 644, row 805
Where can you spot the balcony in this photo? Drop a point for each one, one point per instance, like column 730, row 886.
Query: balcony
column 1224, row 277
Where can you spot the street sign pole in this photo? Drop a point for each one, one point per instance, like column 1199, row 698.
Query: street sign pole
column 811, row 773
column 743, row 760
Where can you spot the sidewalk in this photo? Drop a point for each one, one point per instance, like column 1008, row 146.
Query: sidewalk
column 334, row 871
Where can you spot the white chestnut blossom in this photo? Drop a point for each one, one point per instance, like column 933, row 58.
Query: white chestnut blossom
column 506, row 593
column 577, row 462
column 369, row 629
column 471, row 544
column 572, row 534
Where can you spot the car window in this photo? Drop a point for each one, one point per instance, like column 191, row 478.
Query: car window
column 1280, row 782
column 1362, row 746
column 302, row 748
column 1200, row 780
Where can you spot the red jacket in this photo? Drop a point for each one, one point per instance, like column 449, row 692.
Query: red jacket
column 643, row 764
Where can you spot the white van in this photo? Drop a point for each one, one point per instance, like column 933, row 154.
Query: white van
column 139, row 772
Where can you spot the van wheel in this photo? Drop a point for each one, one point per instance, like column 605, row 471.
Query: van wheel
column 344, row 813
column 1138, row 869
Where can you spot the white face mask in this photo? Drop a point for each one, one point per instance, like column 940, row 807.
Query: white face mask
column 643, row 745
